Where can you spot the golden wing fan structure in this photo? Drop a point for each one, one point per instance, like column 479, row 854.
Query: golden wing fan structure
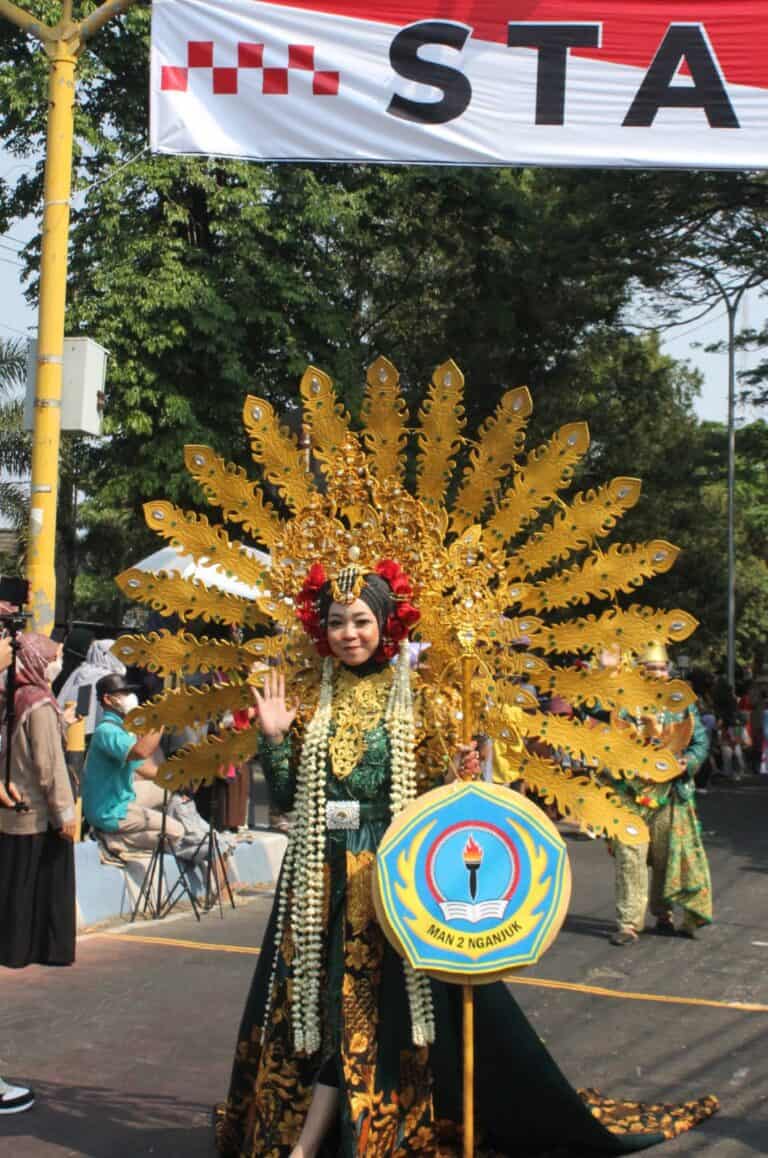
column 504, row 572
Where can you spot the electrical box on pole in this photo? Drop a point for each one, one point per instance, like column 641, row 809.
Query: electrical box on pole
column 84, row 372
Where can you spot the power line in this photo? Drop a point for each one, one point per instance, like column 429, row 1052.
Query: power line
column 108, row 176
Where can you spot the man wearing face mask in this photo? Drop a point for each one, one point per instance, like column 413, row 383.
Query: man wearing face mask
column 120, row 800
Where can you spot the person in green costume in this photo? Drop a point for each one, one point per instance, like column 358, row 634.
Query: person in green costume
column 678, row 861
column 342, row 1048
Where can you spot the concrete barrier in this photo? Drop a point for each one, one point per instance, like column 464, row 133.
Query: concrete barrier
column 106, row 892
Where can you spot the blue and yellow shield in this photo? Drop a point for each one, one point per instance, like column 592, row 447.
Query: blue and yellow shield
column 472, row 880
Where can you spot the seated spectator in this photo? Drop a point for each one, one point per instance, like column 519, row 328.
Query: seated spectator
column 120, row 800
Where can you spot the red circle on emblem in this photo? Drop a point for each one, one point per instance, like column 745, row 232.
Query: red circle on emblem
column 473, row 826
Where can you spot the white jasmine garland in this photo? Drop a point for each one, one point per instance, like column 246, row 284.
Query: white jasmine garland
column 303, row 877
column 402, row 739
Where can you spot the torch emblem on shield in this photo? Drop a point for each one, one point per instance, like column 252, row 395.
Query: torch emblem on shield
column 473, row 858
column 472, row 870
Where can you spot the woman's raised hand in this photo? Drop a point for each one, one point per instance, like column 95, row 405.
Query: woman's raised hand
column 274, row 714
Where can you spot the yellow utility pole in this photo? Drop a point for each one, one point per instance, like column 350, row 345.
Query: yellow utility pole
column 63, row 44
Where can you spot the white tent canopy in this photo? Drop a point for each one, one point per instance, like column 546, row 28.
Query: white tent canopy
column 211, row 575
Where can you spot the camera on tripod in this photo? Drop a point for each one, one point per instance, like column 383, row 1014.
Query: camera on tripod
column 16, row 592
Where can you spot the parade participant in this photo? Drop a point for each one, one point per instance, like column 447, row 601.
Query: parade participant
column 675, row 853
column 37, row 871
column 338, row 1033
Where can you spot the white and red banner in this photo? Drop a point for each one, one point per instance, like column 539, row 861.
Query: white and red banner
column 679, row 83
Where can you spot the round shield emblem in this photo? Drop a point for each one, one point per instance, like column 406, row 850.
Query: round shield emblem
column 472, row 880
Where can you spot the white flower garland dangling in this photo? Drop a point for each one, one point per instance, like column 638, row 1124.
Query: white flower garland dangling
column 304, row 860
column 303, row 878
column 308, row 883
column 402, row 741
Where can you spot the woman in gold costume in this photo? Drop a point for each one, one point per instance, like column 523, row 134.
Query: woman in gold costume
column 343, row 1048
column 342, row 1045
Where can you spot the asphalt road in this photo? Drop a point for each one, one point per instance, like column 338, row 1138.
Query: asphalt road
column 128, row 1049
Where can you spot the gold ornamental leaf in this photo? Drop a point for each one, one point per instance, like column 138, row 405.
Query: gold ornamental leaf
column 169, row 594
column 193, row 535
column 278, row 452
column 202, row 763
column 441, row 421
column 547, row 470
column 385, row 419
column 620, row 752
column 511, row 592
column 623, row 567
column 628, row 689
column 227, row 486
column 188, row 707
column 169, row 653
column 326, row 418
column 632, row 628
column 521, row 629
column 594, row 807
column 514, row 664
column 591, row 515
column 498, row 440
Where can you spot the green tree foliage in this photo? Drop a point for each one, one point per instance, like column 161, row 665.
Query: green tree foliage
column 14, row 443
column 207, row 279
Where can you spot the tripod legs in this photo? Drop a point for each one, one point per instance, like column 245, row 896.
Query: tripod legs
column 156, row 898
column 216, row 875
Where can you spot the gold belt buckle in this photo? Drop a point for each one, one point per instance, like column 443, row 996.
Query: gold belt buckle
column 343, row 814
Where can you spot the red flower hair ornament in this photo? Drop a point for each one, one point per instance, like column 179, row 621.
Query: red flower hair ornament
column 397, row 626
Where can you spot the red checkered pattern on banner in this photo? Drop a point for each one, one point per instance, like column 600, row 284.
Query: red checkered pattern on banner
column 274, row 81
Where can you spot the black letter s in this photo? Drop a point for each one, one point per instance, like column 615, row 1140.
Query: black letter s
column 404, row 58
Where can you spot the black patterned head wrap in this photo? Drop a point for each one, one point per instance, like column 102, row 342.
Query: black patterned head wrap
column 376, row 594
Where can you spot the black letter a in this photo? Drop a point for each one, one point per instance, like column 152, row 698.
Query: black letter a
column 683, row 42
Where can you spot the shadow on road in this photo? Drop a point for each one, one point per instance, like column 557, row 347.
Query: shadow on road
column 102, row 1123
column 586, row 926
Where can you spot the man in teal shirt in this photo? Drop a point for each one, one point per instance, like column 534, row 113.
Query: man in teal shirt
column 120, row 800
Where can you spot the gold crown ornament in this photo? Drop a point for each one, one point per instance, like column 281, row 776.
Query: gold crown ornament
column 654, row 652
column 500, row 571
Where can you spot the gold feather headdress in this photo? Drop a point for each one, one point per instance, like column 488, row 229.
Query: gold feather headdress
column 496, row 572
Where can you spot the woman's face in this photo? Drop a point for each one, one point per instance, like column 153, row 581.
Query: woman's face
column 353, row 633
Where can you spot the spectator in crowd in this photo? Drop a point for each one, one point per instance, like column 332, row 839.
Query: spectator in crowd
column 731, row 732
column 701, row 682
column 98, row 662
column 37, row 870
column 13, row 1099
column 120, row 800
column 763, row 711
column 76, row 645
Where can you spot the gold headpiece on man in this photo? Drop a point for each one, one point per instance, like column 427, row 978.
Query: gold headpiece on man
column 488, row 569
column 655, row 652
